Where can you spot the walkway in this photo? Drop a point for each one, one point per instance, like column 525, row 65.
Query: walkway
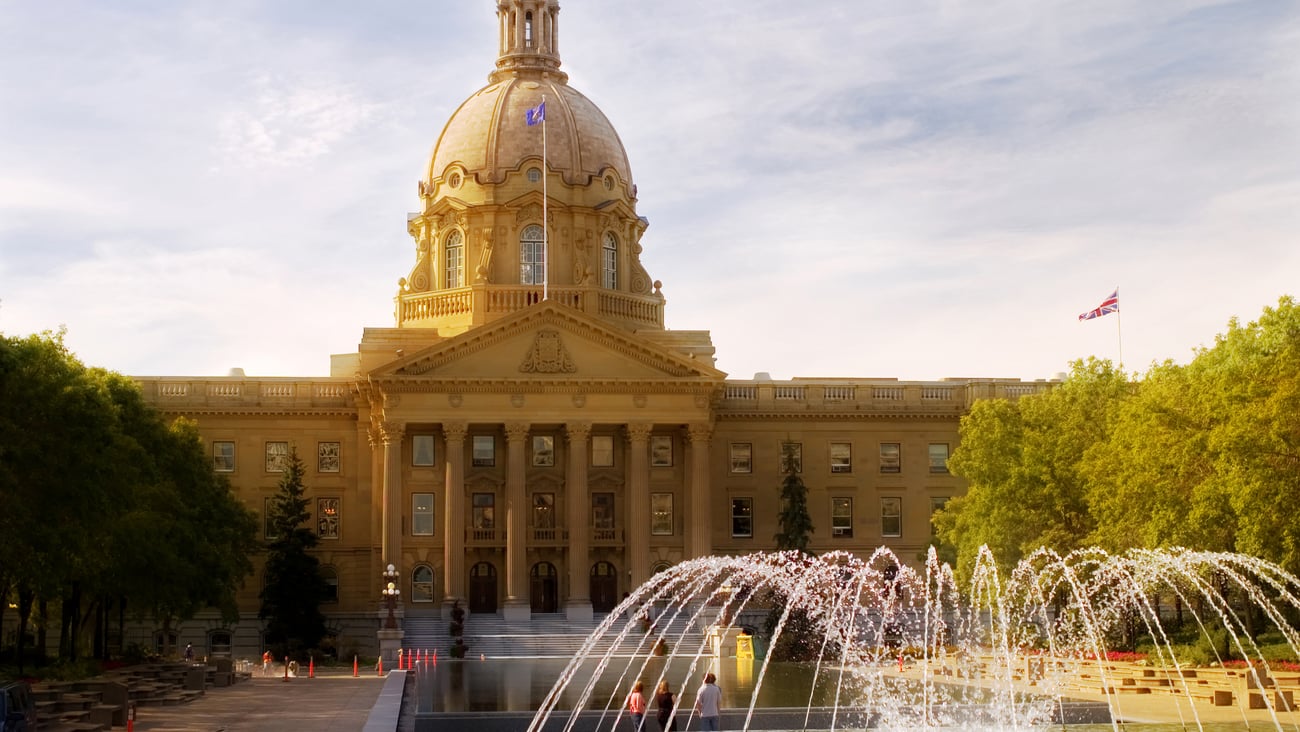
column 334, row 701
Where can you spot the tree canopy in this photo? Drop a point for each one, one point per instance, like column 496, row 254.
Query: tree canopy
column 294, row 588
column 1205, row 455
column 104, row 500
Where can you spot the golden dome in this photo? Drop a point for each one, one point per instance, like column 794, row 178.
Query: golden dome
column 488, row 136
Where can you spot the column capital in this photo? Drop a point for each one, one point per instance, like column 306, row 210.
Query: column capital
column 638, row 431
column 517, row 431
column 455, row 431
column 391, row 431
column 577, row 431
column 374, row 435
column 701, row 432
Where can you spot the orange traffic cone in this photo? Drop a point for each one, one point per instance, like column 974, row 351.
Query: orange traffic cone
column 286, row 668
column 311, row 667
column 379, row 667
column 355, row 673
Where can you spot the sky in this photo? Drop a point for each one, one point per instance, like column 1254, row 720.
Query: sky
column 910, row 189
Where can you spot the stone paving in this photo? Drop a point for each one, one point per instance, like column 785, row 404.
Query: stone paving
column 331, row 701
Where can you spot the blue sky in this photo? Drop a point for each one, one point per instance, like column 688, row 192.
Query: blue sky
column 913, row 189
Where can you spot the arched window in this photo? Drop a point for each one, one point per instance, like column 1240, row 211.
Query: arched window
column 528, row 30
column 661, row 567
column 532, row 256
column 422, row 584
column 331, row 577
column 219, row 643
column 609, row 262
column 455, row 259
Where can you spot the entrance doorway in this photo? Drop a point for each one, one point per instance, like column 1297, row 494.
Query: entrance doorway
column 483, row 588
column 543, row 588
column 604, row 587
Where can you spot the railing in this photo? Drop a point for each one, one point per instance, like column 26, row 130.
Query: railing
column 606, row 537
column 936, row 392
column 237, row 392
column 887, row 393
column 1019, row 390
column 492, row 301
column 740, row 392
column 839, row 393
column 789, row 393
column 480, row 537
column 436, row 305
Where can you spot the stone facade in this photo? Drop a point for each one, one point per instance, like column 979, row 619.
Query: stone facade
column 528, row 437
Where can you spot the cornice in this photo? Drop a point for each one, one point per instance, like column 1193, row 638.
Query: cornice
column 416, row 384
column 256, row 412
column 723, row 416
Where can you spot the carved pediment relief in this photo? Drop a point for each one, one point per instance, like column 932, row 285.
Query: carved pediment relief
column 547, row 356
column 551, row 342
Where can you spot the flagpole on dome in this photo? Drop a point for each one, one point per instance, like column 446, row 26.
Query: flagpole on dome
column 537, row 116
column 546, row 249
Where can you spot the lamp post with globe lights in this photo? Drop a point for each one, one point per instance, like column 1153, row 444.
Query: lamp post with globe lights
column 390, row 630
column 391, row 593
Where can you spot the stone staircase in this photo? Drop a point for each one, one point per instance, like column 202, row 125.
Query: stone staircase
column 545, row 635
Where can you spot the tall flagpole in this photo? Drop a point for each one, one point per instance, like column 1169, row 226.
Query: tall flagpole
column 1119, row 316
column 546, row 250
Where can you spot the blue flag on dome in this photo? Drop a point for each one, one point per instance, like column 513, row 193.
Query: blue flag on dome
column 536, row 115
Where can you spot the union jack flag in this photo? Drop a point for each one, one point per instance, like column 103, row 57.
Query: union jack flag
column 1107, row 306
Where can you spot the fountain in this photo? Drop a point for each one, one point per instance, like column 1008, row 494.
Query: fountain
column 891, row 647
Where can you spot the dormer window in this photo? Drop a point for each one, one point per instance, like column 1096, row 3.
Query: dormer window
column 609, row 262
column 532, row 256
column 455, row 260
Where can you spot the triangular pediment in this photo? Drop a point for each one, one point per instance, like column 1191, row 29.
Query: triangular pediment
column 548, row 342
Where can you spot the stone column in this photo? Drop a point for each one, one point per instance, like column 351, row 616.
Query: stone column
column 517, row 605
column 453, row 543
column 391, row 523
column 698, row 520
column 578, row 519
column 638, row 502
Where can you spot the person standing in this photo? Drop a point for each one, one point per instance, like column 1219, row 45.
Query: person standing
column 708, row 703
column 664, row 703
column 636, row 705
column 189, row 653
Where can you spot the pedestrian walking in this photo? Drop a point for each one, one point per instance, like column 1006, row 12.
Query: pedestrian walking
column 664, row 702
column 636, row 705
column 708, row 703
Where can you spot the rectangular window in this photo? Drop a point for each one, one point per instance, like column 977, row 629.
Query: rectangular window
column 890, row 457
column 742, row 517
column 936, row 505
column 327, row 457
column 891, row 516
column 841, row 457
column 543, row 451
column 543, row 510
column 485, row 510
column 223, row 457
column 791, row 457
column 938, row 457
column 422, row 451
column 661, row 514
column 327, row 517
column 485, row 451
column 422, row 514
column 661, row 451
column 602, row 451
column 277, row 456
column 742, row 457
column 602, row 510
column 842, row 517
column 455, row 261
column 532, row 262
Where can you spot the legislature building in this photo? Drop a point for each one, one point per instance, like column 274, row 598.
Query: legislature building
column 527, row 437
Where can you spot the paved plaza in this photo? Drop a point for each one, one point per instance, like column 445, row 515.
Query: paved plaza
column 331, row 701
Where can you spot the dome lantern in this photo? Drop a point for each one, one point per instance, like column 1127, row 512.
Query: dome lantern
column 529, row 38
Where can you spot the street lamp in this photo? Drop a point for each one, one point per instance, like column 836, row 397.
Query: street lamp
column 390, row 593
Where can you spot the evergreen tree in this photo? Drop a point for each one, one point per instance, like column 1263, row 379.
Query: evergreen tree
column 294, row 587
column 796, row 524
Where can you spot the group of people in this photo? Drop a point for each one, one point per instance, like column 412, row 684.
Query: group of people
column 708, row 705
